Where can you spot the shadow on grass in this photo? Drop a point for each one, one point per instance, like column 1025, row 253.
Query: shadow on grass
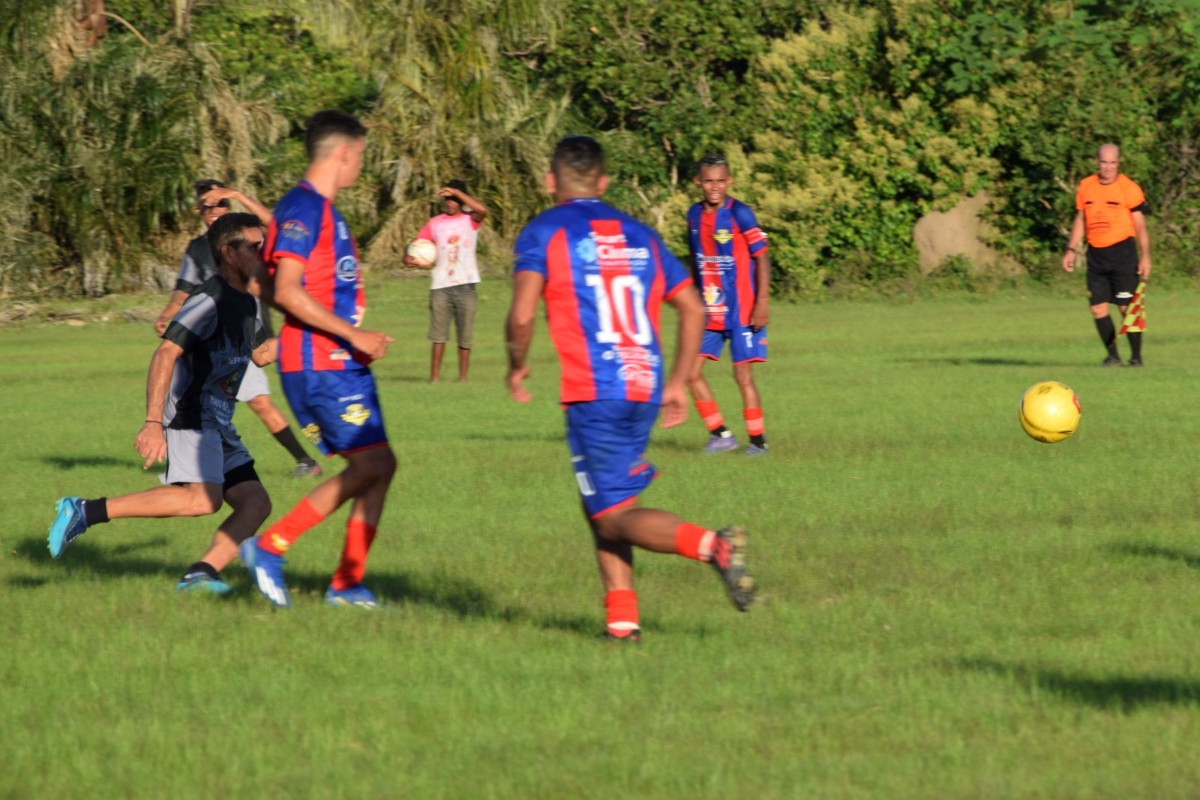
column 71, row 462
column 102, row 560
column 462, row 598
column 1154, row 551
column 984, row 361
column 1124, row 694
column 514, row 436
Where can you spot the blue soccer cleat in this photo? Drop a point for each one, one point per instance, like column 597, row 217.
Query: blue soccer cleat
column 201, row 583
column 720, row 444
column 266, row 570
column 753, row 450
column 69, row 524
column 357, row 596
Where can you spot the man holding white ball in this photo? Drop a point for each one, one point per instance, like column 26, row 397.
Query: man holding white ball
column 454, row 274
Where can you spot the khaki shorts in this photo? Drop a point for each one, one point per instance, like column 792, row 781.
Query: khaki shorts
column 457, row 302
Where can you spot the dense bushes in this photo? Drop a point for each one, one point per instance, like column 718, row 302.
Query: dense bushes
column 845, row 122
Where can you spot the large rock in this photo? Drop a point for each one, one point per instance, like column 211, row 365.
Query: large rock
column 959, row 232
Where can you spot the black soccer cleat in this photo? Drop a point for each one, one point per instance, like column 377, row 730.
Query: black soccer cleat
column 729, row 559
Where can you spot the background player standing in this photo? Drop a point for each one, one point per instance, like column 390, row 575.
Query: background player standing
column 455, row 273
column 1111, row 209
column 212, row 202
column 604, row 276
column 733, row 272
column 194, row 376
column 323, row 357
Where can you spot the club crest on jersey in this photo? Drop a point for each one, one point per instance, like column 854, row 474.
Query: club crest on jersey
column 723, row 235
column 585, row 251
column 713, row 296
column 295, row 230
column 347, row 268
column 356, row 414
column 312, row 432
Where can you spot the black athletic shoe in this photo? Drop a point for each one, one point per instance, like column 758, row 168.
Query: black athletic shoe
column 1111, row 361
column 1135, row 362
column 729, row 559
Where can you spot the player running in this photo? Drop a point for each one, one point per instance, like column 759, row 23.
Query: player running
column 323, row 358
column 604, row 276
column 194, row 377
column 733, row 272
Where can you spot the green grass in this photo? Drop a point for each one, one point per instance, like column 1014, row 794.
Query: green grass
column 949, row 609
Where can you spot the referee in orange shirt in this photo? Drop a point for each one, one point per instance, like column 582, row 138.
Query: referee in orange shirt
column 1111, row 209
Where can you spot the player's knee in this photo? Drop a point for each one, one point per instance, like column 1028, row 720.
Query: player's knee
column 1100, row 311
column 204, row 500
column 259, row 405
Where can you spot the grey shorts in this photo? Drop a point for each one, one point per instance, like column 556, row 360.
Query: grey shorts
column 254, row 383
column 204, row 456
column 457, row 302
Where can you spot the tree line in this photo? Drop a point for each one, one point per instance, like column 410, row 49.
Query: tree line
column 844, row 122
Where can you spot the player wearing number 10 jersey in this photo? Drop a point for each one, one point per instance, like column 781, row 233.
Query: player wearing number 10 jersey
column 604, row 276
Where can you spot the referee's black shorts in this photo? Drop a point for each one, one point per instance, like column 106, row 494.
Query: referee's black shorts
column 1112, row 273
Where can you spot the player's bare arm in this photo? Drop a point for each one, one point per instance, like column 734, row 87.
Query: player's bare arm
column 477, row 209
column 266, row 353
column 219, row 193
column 174, row 303
column 1074, row 243
column 291, row 297
column 518, row 331
column 760, row 315
column 151, row 442
column 690, row 309
column 1143, row 240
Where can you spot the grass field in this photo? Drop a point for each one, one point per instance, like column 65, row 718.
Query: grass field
column 949, row 609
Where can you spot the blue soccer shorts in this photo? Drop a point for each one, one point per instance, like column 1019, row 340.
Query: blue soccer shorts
column 745, row 344
column 338, row 410
column 608, row 441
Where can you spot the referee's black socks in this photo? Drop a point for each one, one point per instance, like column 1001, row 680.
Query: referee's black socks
column 1108, row 334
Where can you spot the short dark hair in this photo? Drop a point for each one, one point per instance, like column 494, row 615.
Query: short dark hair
column 327, row 124
column 228, row 230
column 714, row 160
column 206, row 185
column 457, row 184
column 581, row 155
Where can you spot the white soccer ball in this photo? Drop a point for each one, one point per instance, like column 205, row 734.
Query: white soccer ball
column 422, row 251
column 1049, row 411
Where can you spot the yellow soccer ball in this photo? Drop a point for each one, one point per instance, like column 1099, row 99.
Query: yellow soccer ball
column 1049, row 411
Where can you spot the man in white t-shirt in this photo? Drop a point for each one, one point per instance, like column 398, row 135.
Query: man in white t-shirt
column 454, row 274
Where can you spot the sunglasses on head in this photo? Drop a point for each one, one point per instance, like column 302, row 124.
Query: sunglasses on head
column 219, row 204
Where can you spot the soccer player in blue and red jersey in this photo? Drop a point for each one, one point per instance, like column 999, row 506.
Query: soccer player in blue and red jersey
column 733, row 272
column 604, row 276
column 316, row 281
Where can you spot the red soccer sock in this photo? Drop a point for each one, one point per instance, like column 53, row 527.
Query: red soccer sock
column 359, row 536
column 284, row 533
column 693, row 541
column 621, row 608
column 710, row 414
column 754, row 421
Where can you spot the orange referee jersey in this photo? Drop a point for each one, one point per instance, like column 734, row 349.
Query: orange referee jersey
column 1107, row 209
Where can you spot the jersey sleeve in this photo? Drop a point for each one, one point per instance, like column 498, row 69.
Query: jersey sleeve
column 1135, row 198
column 297, row 230
column 191, row 271
column 529, row 252
column 675, row 274
column 427, row 232
column 195, row 322
column 260, row 330
column 756, row 240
